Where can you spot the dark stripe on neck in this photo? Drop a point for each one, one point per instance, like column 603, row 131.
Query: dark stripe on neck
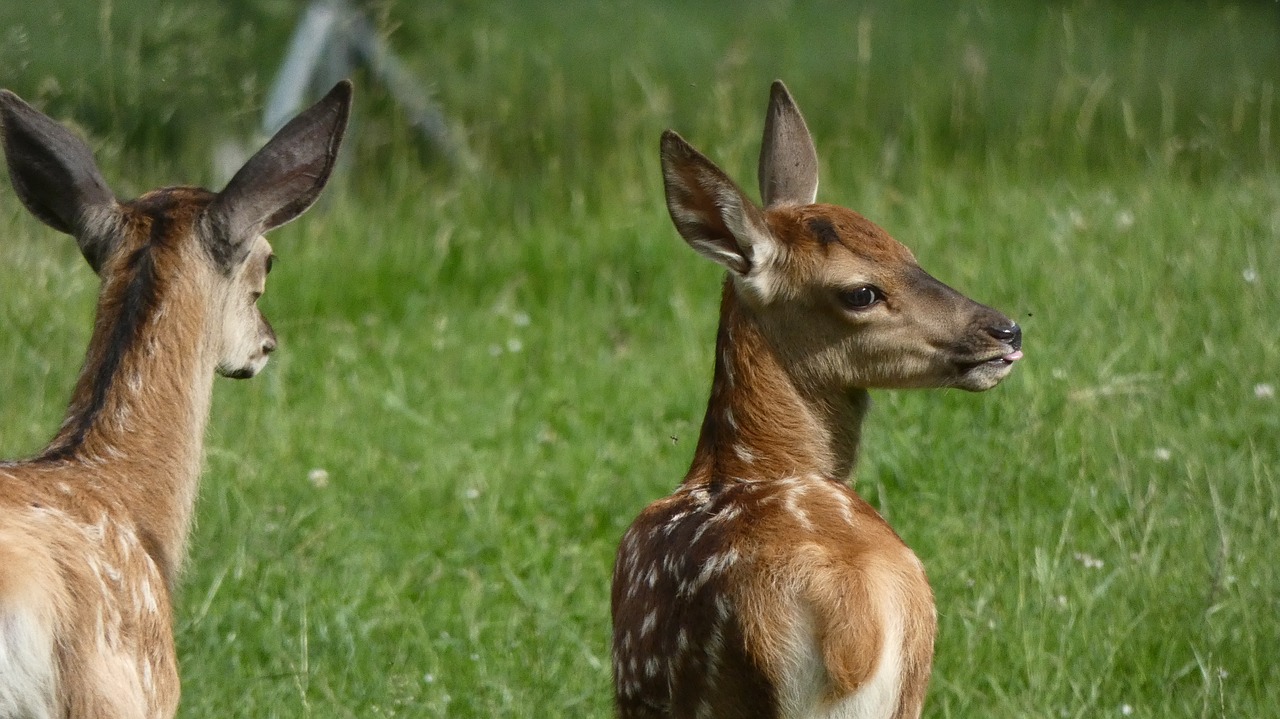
column 714, row 426
column 137, row 304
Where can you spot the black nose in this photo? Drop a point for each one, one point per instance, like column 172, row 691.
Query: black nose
column 1010, row 333
column 269, row 345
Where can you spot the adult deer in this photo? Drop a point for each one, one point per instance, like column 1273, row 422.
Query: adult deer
column 764, row 586
column 93, row 530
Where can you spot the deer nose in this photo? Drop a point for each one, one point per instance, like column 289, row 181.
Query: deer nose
column 1010, row 333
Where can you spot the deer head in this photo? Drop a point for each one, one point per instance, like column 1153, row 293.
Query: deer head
column 216, row 239
column 842, row 303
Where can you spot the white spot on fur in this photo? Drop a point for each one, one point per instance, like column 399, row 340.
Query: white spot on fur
column 700, row 497
column 842, row 500
column 649, row 620
column 714, row 565
column 728, row 514
column 743, row 453
column 673, row 522
column 697, row 534
column 792, row 502
column 125, row 543
column 112, row 573
column 96, row 569
column 148, row 596
column 669, row 565
column 97, row 531
column 629, row 541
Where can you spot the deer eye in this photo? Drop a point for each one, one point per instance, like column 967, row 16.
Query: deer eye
column 860, row 298
column 271, row 260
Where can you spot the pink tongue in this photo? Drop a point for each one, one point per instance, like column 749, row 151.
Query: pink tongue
column 1012, row 356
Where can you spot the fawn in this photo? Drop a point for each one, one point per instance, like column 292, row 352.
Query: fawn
column 93, row 530
column 764, row 586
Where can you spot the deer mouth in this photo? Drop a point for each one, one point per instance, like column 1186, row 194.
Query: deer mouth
column 983, row 374
column 1005, row 359
column 239, row 373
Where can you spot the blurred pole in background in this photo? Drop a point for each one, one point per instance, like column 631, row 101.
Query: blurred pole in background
column 331, row 40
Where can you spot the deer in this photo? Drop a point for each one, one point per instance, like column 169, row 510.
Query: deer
column 764, row 586
column 93, row 529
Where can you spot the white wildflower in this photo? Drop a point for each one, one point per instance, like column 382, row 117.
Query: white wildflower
column 1089, row 561
column 318, row 477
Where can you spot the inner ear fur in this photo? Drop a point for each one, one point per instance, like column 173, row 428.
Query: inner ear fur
column 709, row 210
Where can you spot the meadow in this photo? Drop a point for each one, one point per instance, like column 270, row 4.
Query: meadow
column 486, row 371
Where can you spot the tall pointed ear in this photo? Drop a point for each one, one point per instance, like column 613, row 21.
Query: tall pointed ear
column 286, row 176
column 710, row 211
column 788, row 160
column 53, row 172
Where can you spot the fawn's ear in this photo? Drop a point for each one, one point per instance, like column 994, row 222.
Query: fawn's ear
column 788, row 160
column 286, row 176
column 53, row 173
column 710, row 211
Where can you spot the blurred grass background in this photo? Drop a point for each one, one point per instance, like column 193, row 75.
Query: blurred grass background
column 486, row 373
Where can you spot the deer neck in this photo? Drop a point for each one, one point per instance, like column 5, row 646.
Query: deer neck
column 136, row 421
column 763, row 424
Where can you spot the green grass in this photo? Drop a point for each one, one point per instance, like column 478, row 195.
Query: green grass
column 497, row 369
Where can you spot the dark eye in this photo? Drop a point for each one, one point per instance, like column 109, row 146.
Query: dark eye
column 271, row 260
column 860, row 298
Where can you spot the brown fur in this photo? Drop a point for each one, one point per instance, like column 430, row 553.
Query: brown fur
column 100, row 518
column 93, row 529
column 764, row 587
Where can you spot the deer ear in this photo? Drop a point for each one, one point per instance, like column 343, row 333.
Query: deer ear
column 710, row 211
column 788, row 160
column 53, row 173
column 286, row 176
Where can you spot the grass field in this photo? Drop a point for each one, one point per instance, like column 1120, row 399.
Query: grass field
column 485, row 374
